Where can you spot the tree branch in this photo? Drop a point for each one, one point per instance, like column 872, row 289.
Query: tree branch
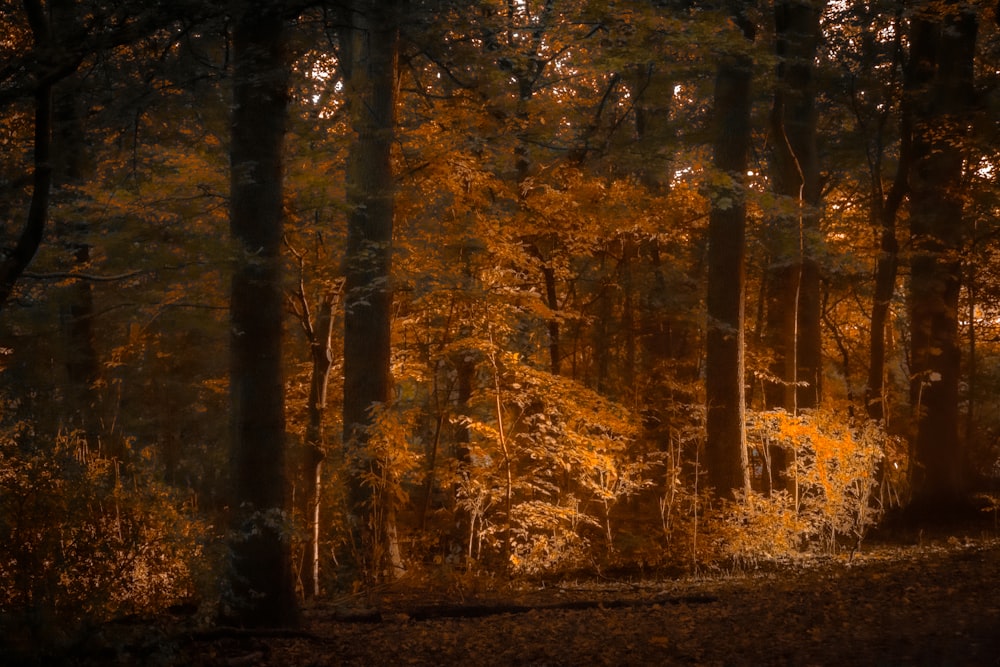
column 72, row 275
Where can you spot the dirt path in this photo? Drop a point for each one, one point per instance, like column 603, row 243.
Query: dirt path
column 930, row 605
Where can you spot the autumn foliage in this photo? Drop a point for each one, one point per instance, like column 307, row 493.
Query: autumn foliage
column 480, row 262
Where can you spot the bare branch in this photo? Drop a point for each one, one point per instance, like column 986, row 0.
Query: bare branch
column 72, row 275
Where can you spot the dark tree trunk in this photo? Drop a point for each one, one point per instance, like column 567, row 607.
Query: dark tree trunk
column 369, row 58
column 942, row 54
column 886, row 268
column 71, row 166
column 601, row 331
column 884, row 208
column 725, row 450
column 794, row 303
column 552, row 301
column 262, row 581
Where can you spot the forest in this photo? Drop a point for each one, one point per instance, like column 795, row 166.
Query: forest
column 302, row 298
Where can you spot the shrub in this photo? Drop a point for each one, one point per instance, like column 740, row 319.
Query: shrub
column 757, row 528
column 86, row 538
column 550, row 463
column 829, row 492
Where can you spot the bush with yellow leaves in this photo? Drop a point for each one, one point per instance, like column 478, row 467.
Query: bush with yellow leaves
column 827, row 497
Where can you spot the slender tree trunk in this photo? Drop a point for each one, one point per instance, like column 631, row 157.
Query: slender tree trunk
column 321, row 350
column 320, row 336
column 465, row 371
column 369, row 58
column 261, row 581
column 942, row 52
column 972, row 388
column 601, row 331
column 630, row 254
column 725, row 450
column 552, row 301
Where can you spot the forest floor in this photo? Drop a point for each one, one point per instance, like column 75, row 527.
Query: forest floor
column 921, row 599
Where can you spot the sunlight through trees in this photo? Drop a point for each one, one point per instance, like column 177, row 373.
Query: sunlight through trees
column 298, row 300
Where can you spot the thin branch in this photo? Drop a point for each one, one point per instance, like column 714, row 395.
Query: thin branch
column 72, row 275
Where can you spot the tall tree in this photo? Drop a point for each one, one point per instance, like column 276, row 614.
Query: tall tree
column 871, row 111
column 261, row 572
column 942, row 53
column 793, row 301
column 725, row 451
column 369, row 62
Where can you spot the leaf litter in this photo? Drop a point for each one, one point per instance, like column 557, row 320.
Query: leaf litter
column 890, row 604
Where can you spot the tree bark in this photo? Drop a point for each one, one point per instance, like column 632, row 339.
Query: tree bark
column 321, row 351
column 794, row 303
column 70, row 167
column 884, row 208
column 261, row 579
column 319, row 334
column 942, row 55
column 368, row 57
column 886, row 268
column 725, row 450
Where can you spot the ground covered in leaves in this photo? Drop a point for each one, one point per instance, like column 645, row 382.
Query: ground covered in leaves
column 929, row 602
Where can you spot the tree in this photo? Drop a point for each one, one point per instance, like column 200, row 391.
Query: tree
column 793, row 302
column 318, row 331
column 261, row 576
column 885, row 202
column 725, row 449
column 942, row 55
column 368, row 60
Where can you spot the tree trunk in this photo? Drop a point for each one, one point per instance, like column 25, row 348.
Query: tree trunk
column 884, row 208
column 262, row 581
column 886, row 267
column 942, row 56
column 320, row 335
column 322, row 362
column 71, row 167
column 725, row 450
column 794, row 303
column 653, row 93
column 794, row 312
column 368, row 57
column 552, row 301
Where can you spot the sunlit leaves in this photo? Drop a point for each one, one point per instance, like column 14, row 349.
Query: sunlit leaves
column 833, row 485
